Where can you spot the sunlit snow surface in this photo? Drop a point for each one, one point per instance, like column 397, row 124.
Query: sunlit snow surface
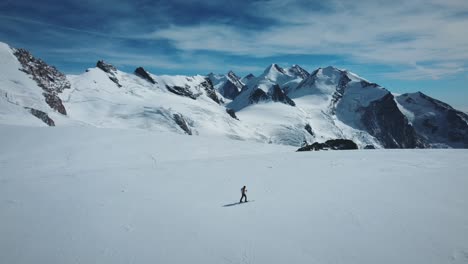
column 88, row 195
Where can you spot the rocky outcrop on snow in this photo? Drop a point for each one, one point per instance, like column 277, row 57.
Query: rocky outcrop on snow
column 182, row 123
column 258, row 96
column 436, row 122
column 340, row 89
column 182, row 91
column 207, row 85
column 42, row 116
column 47, row 77
column 194, row 87
column 144, row 74
column 229, row 85
column 332, row 144
column 111, row 71
column 298, row 71
column 277, row 95
column 231, row 113
column 309, row 130
column 269, row 86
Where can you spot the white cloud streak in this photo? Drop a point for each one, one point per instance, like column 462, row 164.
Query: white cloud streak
column 406, row 33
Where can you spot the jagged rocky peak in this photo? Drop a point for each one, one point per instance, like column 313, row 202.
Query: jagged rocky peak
column 107, row 67
column 47, row 77
column 277, row 95
column 235, row 79
column 258, row 96
column 298, row 71
column 274, row 68
column 232, row 75
column 383, row 120
column 437, row 122
column 331, row 72
column 140, row 71
column 246, row 79
column 111, row 71
column 207, row 85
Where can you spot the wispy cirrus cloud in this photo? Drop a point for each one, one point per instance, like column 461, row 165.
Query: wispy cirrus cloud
column 408, row 33
column 420, row 39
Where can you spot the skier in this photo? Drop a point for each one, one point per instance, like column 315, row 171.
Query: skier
column 243, row 190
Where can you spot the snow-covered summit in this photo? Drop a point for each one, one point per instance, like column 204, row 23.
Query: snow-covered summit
column 228, row 85
column 281, row 105
column 437, row 122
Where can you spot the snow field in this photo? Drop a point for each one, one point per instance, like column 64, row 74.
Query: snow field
column 88, row 195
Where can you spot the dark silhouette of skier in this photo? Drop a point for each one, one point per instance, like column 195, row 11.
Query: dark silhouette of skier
column 243, row 190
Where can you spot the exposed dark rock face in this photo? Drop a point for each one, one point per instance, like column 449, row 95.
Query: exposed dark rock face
column 144, row 74
column 55, row 102
column 182, row 123
column 182, row 91
column 232, row 113
column 235, row 79
column 257, row 96
column 333, row 144
column 341, row 144
column 369, row 147
column 297, row 71
column 248, row 77
column 232, row 86
column 47, row 77
column 457, row 121
column 229, row 90
column 210, row 91
column 308, row 128
column 193, row 92
column 309, row 81
column 42, row 116
column 106, row 67
column 278, row 68
column 277, row 95
column 383, row 120
column 365, row 84
column 445, row 125
column 458, row 126
column 340, row 89
column 110, row 70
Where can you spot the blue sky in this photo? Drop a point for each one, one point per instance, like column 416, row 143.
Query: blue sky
column 417, row 45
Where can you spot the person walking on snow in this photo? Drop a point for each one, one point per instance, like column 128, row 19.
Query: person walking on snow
column 243, row 190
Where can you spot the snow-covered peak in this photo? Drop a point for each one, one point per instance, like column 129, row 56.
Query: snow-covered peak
column 298, row 71
column 437, row 122
column 228, row 85
column 274, row 73
column 246, row 79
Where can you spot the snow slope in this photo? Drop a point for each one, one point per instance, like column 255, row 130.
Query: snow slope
column 17, row 91
column 97, row 100
column 281, row 106
column 89, row 195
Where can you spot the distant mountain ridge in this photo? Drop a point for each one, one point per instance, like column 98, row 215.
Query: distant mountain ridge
column 282, row 105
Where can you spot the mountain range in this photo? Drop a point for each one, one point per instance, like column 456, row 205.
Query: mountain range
column 288, row 106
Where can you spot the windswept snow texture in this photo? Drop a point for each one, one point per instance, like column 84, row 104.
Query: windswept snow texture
column 96, row 100
column 88, row 195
